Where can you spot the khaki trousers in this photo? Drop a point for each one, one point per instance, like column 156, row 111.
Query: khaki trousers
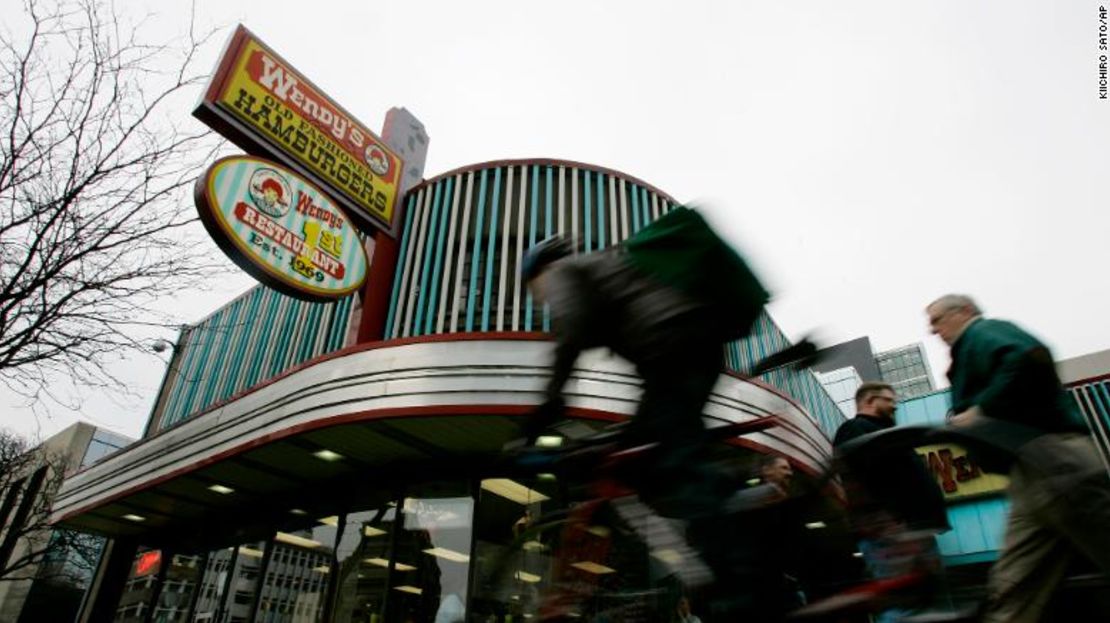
column 1060, row 495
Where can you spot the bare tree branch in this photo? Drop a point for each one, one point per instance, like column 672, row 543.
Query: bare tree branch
column 96, row 221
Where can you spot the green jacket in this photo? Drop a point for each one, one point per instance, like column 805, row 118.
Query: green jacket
column 1010, row 376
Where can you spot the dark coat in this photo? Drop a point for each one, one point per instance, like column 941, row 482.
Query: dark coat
column 1010, row 376
column 892, row 478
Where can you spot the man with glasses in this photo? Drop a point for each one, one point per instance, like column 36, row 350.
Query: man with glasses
column 1005, row 389
column 896, row 507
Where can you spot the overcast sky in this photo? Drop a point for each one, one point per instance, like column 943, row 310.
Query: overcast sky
column 868, row 156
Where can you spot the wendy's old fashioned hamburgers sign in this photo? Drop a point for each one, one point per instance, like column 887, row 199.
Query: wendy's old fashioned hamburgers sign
column 281, row 228
column 262, row 104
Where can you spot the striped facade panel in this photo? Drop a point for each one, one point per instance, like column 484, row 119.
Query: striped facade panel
column 465, row 233
column 254, row 338
column 1093, row 400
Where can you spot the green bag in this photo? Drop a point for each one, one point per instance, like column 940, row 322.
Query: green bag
column 681, row 250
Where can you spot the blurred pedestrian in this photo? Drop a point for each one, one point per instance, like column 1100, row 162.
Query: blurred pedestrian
column 666, row 300
column 1004, row 382
column 684, row 614
column 895, row 505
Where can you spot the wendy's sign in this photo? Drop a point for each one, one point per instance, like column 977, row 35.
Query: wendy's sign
column 262, row 104
column 280, row 228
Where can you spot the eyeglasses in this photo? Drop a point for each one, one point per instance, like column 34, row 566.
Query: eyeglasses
column 933, row 320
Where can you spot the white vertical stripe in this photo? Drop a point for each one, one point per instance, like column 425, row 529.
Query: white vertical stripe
column 614, row 236
column 561, row 205
column 448, row 244
column 624, row 210
column 574, row 207
column 406, row 268
column 463, row 244
column 520, row 233
column 506, row 205
column 322, row 325
column 654, row 206
column 423, row 216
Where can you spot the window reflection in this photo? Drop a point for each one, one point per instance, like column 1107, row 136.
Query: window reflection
column 296, row 583
column 229, row 584
column 363, row 559
column 514, row 562
column 434, row 538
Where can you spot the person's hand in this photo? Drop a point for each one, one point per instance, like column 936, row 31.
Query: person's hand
column 965, row 418
column 544, row 416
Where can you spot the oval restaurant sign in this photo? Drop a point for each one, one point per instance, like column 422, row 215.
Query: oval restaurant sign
column 280, row 228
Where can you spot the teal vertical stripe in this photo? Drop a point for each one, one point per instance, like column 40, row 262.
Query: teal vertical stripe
column 602, row 240
column 635, row 209
column 288, row 325
column 645, row 204
column 588, row 215
column 199, row 377
column 399, row 271
column 476, row 254
column 272, row 304
column 172, row 412
column 431, row 230
column 212, row 381
column 307, row 347
column 249, row 322
column 433, row 296
column 533, row 206
column 492, row 240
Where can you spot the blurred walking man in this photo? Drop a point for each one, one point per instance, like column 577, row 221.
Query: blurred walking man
column 1004, row 380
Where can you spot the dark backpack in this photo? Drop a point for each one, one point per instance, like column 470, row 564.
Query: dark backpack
column 681, row 250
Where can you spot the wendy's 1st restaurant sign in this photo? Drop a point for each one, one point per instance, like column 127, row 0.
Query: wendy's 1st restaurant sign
column 280, row 228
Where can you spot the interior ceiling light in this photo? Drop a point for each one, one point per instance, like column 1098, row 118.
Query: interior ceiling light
column 592, row 567
column 447, row 554
column 293, row 539
column 134, row 517
column 549, row 441
column 322, row 569
column 512, row 490
column 524, row 576
column 408, row 589
column 815, row 525
column 250, row 551
column 221, row 489
column 372, row 531
column 532, row 546
column 327, row 455
column 329, row 521
column 297, row 511
column 382, row 562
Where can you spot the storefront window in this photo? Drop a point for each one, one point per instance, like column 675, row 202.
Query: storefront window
column 362, row 567
column 229, row 584
column 176, row 595
column 434, row 538
column 295, row 587
column 139, row 588
column 512, row 564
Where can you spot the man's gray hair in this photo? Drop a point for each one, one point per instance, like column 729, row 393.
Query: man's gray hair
column 956, row 301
